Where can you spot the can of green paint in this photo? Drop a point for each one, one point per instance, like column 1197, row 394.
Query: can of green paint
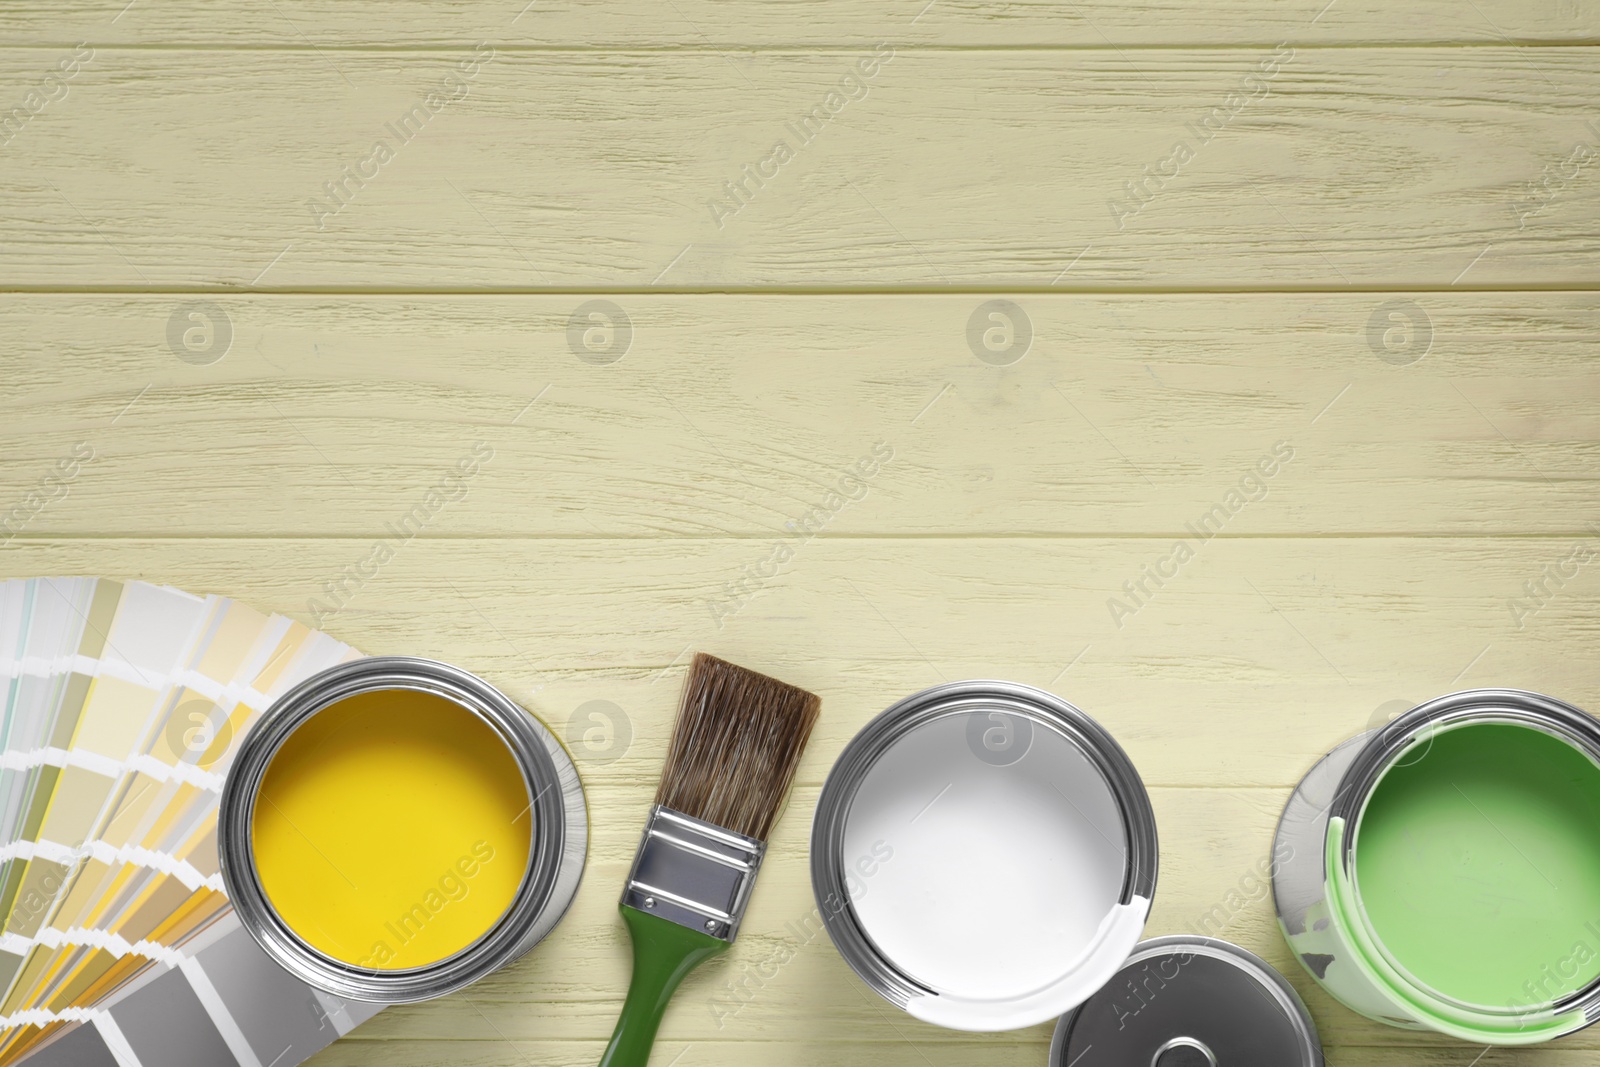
column 1443, row 872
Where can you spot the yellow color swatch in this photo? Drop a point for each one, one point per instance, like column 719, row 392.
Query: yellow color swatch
column 392, row 829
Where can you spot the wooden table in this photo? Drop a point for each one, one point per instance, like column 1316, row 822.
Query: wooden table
column 1071, row 271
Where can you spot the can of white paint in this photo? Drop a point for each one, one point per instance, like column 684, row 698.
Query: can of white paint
column 984, row 855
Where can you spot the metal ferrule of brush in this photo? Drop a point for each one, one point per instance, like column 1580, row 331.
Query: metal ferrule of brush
column 693, row 873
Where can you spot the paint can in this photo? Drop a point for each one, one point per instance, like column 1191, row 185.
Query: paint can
column 984, row 855
column 406, row 801
column 1189, row 1002
column 1443, row 871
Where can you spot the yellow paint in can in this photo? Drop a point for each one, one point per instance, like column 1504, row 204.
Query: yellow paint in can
column 392, row 829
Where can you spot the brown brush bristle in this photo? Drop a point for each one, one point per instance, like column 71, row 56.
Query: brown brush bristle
column 738, row 740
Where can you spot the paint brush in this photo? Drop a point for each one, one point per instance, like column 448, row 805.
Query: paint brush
column 734, row 750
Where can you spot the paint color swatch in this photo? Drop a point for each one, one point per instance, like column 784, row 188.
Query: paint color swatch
column 225, row 1004
column 122, row 706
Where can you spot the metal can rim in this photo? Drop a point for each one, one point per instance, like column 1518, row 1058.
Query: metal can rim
column 898, row 720
column 1269, row 976
column 1378, row 751
column 556, row 858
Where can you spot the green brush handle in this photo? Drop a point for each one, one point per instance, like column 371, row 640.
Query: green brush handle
column 663, row 952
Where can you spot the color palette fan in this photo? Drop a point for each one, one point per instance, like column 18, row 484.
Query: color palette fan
column 123, row 704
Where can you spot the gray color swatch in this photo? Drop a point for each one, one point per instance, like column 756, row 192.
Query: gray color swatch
column 277, row 1013
column 166, row 1024
column 80, row 1047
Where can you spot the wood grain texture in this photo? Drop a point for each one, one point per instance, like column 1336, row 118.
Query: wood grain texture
column 1256, row 659
column 710, row 24
column 736, row 415
column 906, row 1054
column 1382, row 253
column 568, row 988
column 1394, row 167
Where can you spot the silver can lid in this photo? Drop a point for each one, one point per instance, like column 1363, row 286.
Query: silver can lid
column 1189, row 1002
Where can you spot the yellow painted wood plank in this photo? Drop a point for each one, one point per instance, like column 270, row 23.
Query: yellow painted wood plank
column 809, row 1051
column 1215, row 845
column 633, row 511
column 1269, row 168
column 739, row 415
column 708, row 24
column 522, row 1053
column 1258, row 656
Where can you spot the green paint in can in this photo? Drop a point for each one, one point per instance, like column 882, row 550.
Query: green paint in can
column 1477, row 865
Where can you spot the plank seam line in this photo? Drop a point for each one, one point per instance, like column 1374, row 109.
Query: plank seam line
column 1425, row 289
column 831, row 48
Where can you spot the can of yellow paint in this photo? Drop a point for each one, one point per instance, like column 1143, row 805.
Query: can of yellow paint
column 393, row 829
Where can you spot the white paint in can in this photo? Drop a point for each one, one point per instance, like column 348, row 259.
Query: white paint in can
column 1004, row 877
